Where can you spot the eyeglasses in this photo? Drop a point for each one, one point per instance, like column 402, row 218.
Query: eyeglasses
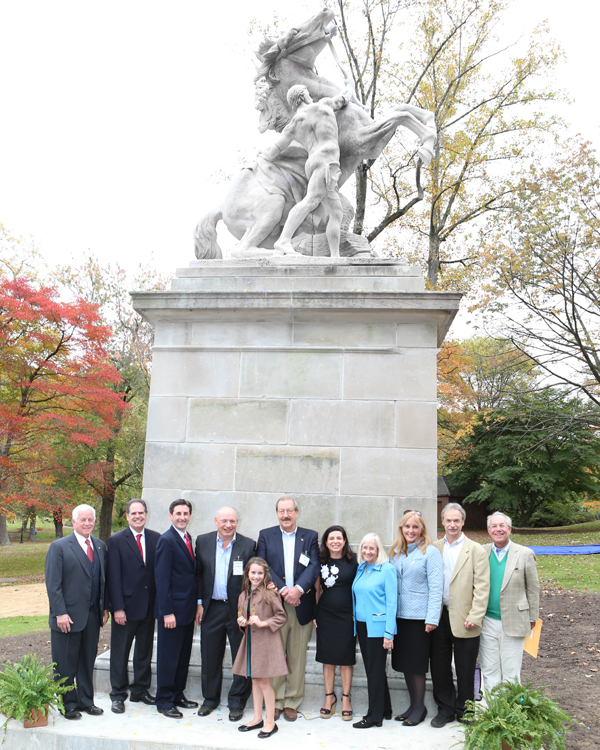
column 284, row 513
column 416, row 512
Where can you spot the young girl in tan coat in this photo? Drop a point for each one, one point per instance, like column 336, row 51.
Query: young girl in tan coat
column 260, row 655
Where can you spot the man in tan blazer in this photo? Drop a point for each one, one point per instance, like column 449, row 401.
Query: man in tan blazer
column 464, row 602
column 513, row 606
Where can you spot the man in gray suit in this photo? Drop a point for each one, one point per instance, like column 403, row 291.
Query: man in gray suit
column 513, row 606
column 75, row 574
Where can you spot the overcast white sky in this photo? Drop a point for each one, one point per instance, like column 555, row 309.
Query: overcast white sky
column 116, row 116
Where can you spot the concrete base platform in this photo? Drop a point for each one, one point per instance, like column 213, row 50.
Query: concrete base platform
column 143, row 728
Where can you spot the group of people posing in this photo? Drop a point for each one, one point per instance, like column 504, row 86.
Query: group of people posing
column 427, row 602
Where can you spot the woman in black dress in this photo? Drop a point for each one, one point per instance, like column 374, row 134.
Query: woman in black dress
column 336, row 642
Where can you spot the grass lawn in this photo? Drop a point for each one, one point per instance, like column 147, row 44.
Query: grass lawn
column 19, row 560
column 576, row 572
column 571, row 536
column 11, row 626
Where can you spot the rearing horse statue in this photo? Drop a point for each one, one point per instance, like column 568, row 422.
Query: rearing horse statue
column 260, row 197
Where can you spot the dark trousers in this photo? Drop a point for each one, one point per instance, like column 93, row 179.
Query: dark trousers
column 451, row 701
column 75, row 654
column 172, row 662
column 121, row 638
column 374, row 658
column 216, row 627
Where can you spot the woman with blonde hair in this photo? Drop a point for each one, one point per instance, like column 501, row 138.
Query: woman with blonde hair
column 374, row 596
column 420, row 582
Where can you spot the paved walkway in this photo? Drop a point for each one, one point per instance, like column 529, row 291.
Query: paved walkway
column 143, row 728
column 23, row 600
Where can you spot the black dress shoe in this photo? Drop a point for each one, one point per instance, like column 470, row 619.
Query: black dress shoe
column 409, row 723
column 73, row 714
column 441, row 720
column 205, row 710
column 263, row 735
column 250, row 727
column 172, row 712
column 117, row 707
column 92, row 710
column 235, row 714
column 185, row 703
column 366, row 724
column 148, row 699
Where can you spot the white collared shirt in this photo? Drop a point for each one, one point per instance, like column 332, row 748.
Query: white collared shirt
column 501, row 551
column 142, row 540
column 82, row 542
column 450, row 556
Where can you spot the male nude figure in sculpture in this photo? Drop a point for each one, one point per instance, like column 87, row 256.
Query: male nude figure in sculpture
column 314, row 126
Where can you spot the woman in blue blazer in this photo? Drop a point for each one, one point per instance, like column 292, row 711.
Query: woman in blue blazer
column 374, row 597
column 420, row 583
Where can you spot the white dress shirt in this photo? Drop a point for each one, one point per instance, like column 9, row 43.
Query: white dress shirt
column 450, row 556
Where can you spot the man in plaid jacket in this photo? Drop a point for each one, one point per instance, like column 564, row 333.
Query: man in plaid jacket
column 513, row 606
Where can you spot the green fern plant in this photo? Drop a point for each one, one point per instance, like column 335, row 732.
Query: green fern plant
column 519, row 715
column 29, row 686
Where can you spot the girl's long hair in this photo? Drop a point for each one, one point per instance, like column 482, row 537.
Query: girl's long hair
column 266, row 595
column 400, row 546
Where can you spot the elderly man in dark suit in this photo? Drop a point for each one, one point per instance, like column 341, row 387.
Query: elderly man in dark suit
column 175, row 610
column 293, row 557
column 75, row 576
column 221, row 557
column 131, row 593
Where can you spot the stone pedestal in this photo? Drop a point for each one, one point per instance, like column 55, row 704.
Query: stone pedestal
column 315, row 379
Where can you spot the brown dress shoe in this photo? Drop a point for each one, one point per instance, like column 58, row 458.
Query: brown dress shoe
column 277, row 713
column 290, row 714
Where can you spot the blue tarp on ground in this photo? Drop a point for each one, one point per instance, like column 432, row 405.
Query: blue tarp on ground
column 583, row 549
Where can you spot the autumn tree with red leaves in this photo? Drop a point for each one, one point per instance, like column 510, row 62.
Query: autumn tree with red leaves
column 56, row 388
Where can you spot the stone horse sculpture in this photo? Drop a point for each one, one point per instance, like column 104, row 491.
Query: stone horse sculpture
column 260, row 197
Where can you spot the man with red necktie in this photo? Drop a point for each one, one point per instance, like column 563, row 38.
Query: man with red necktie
column 131, row 593
column 175, row 610
column 75, row 576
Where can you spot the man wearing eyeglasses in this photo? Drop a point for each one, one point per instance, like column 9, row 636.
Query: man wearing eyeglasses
column 132, row 592
column 513, row 606
column 293, row 557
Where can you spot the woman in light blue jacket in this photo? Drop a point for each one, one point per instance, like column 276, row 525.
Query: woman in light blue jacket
column 420, row 583
column 374, row 596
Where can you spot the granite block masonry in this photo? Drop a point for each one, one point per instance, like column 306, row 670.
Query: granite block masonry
column 278, row 376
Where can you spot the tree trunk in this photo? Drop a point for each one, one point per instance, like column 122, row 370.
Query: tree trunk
column 108, row 494
column 32, row 522
column 361, row 175
column 57, row 516
column 433, row 262
column 4, row 538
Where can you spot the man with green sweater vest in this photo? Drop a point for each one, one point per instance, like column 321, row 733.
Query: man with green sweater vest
column 513, row 606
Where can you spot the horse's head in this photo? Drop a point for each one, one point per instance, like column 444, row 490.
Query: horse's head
column 302, row 43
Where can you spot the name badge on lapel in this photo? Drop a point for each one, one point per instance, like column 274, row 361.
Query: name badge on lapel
column 238, row 568
column 304, row 560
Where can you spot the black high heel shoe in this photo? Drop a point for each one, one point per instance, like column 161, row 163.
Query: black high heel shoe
column 327, row 713
column 347, row 715
column 388, row 715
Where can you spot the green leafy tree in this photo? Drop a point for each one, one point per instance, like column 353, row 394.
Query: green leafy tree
column 543, row 288
column 491, row 118
column 114, row 467
column 528, row 455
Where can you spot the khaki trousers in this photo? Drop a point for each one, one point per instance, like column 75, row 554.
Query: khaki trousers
column 500, row 655
column 289, row 689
